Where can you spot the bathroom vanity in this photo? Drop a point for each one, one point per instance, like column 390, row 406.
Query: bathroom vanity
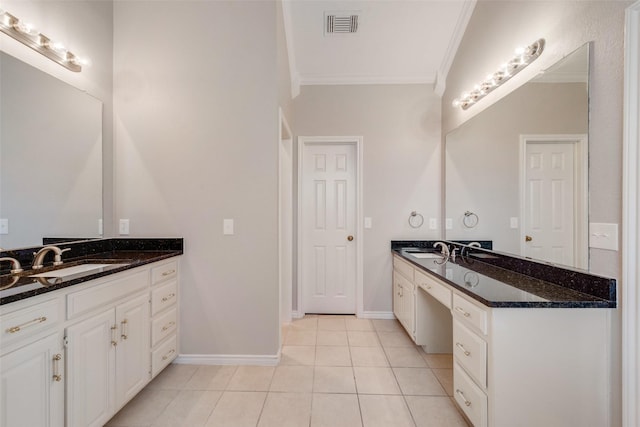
column 529, row 349
column 78, row 342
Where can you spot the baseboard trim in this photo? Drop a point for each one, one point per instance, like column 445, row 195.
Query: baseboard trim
column 228, row 359
column 377, row 315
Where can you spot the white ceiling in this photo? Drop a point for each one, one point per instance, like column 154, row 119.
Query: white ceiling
column 398, row 41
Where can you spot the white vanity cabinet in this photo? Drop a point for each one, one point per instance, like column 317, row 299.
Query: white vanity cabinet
column 164, row 311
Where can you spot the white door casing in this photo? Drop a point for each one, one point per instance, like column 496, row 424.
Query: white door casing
column 329, row 263
column 285, row 219
column 554, row 199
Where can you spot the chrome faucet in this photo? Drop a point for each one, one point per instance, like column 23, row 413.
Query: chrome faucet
column 38, row 258
column 15, row 264
column 444, row 249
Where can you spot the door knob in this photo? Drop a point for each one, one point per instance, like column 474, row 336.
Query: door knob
column 349, row 238
column 528, row 238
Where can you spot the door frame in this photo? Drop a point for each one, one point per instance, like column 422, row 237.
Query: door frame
column 285, row 228
column 629, row 293
column 581, row 189
column 356, row 141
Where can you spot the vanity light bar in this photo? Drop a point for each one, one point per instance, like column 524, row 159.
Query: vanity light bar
column 522, row 58
column 27, row 34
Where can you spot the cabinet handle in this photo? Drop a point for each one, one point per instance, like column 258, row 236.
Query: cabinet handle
column 461, row 310
column 123, row 326
column 466, row 402
column 113, row 335
column 166, row 356
column 168, row 272
column 14, row 329
column 56, row 370
column 168, row 326
column 168, row 297
column 461, row 347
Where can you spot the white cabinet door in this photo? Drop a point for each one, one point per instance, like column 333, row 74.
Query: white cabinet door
column 90, row 370
column 409, row 306
column 29, row 393
column 132, row 353
column 397, row 296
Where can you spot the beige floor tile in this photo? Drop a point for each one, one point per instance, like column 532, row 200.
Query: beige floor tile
column 418, row 381
column 333, row 379
column 363, row 339
column 251, row 378
column 373, row 380
column 386, row 325
column 445, row 377
column 306, row 323
column 294, row 379
column 395, row 339
column 359, row 325
column 434, row 411
column 335, row 410
column 331, row 323
column 333, row 356
column 301, row 337
column 332, row 338
column 210, row 378
column 439, row 360
column 237, row 409
column 405, row 357
column 368, row 356
column 173, row 377
column 298, row 355
column 286, row 410
column 144, row 409
column 384, row 411
column 191, row 408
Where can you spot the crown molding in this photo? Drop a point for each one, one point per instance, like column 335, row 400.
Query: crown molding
column 318, row 80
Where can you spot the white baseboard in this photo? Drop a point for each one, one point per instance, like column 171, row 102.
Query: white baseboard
column 377, row 315
column 228, row 359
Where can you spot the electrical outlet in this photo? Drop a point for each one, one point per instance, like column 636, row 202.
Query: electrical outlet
column 100, row 227
column 433, row 223
column 367, row 222
column 124, row 227
column 513, row 222
column 4, row 226
column 448, row 223
column 227, row 227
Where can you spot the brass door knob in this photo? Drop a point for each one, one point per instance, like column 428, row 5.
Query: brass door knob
column 350, row 238
column 528, row 238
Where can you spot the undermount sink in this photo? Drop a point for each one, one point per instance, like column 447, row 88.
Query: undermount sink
column 425, row 255
column 82, row 269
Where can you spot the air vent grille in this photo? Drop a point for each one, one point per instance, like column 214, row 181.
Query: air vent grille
column 343, row 23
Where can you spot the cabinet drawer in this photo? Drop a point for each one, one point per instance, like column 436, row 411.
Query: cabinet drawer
column 163, row 326
column 163, row 355
column 403, row 267
column 469, row 397
column 470, row 313
column 435, row 289
column 471, row 352
column 163, row 297
column 164, row 272
column 30, row 320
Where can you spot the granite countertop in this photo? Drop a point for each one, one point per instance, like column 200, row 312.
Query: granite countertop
column 118, row 255
column 494, row 286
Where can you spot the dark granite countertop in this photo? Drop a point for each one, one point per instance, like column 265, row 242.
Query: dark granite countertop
column 116, row 254
column 495, row 286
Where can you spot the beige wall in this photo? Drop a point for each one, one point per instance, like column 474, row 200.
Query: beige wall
column 196, row 129
column 400, row 125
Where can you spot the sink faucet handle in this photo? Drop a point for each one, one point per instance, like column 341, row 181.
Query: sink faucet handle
column 15, row 264
column 443, row 248
column 57, row 259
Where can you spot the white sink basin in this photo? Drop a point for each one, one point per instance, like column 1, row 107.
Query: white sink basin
column 76, row 269
column 427, row 255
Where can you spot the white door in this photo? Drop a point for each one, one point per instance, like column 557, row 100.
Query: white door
column 328, row 227
column 549, row 202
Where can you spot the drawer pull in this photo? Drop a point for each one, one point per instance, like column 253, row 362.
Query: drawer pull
column 166, row 356
column 124, row 328
column 35, row 321
column 168, row 297
column 461, row 310
column 56, row 370
column 466, row 402
column 168, row 272
column 168, row 326
column 461, row 347
column 114, row 328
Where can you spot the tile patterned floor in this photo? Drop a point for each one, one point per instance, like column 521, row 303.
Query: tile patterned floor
column 335, row 371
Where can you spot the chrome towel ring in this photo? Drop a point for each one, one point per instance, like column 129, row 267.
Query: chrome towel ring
column 416, row 220
column 470, row 219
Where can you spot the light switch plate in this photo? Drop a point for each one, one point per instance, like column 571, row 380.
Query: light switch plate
column 227, row 227
column 124, row 227
column 448, row 223
column 603, row 236
column 433, row 223
column 513, row 222
column 4, row 226
column 367, row 222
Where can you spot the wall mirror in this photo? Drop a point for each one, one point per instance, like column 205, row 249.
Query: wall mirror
column 517, row 173
column 50, row 157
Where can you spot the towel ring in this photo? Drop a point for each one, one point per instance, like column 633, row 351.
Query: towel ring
column 471, row 279
column 470, row 219
column 416, row 220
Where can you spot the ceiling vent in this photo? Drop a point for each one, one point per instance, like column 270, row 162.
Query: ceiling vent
column 340, row 22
